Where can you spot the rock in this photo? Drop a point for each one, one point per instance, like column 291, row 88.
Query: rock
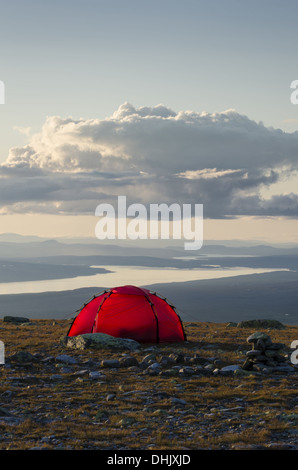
column 257, row 336
column 65, row 359
column 5, row 412
column 11, row 319
column 153, row 369
column 284, row 369
column 187, row 371
column 149, row 358
column 178, row 358
column 126, row 421
column 279, row 346
column 111, row 363
column 198, row 360
column 56, row 377
column 81, row 373
column 98, row 341
column 178, row 401
column 23, row 357
column 166, row 361
column 95, row 375
column 129, row 362
column 275, row 324
column 253, row 353
column 260, row 345
column 231, row 368
column 272, row 352
column 110, row 397
column 170, row 372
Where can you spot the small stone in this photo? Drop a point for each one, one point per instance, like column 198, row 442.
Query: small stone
column 253, row 353
column 178, row 358
column 5, row 412
column 278, row 346
column 129, row 362
column 149, row 357
column 110, row 363
column 198, row 360
column 154, row 369
column 65, row 359
column 231, row 368
column 126, row 421
column 271, row 353
column 110, row 397
column 95, row 375
column 284, row 369
column 260, row 345
column 56, row 377
column 170, row 372
column 187, row 371
column 23, row 357
column 166, row 361
column 177, row 401
column 255, row 337
column 261, row 358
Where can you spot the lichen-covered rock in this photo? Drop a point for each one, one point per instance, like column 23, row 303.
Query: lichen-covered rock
column 98, row 341
column 259, row 336
column 11, row 319
column 22, row 357
column 266, row 323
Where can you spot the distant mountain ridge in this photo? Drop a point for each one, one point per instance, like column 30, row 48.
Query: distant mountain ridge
column 16, row 246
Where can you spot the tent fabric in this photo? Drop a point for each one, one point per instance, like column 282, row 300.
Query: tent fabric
column 130, row 312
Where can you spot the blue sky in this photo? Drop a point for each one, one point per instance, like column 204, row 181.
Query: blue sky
column 84, row 59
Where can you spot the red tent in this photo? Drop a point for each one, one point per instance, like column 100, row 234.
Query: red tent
column 130, row 312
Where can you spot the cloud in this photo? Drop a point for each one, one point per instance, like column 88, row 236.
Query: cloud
column 206, row 173
column 151, row 155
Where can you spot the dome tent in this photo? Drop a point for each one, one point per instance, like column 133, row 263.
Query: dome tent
column 130, row 312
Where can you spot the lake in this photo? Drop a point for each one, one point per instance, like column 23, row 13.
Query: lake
column 121, row 275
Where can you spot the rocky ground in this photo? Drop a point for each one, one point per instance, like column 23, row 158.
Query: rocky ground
column 230, row 386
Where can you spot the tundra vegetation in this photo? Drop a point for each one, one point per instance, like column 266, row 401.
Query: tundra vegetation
column 192, row 395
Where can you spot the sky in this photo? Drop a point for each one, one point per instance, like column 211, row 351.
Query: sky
column 162, row 101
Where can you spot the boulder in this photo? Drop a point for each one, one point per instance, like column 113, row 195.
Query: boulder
column 275, row 324
column 23, row 357
column 98, row 341
column 10, row 319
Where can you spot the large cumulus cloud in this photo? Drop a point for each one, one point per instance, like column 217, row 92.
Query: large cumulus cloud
column 151, row 155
